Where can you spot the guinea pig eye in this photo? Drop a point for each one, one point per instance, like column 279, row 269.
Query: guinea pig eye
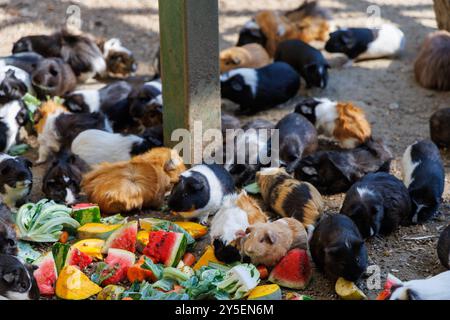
column 11, row 243
column 53, row 71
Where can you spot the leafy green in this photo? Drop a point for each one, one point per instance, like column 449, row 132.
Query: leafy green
column 115, row 219
column 103, row 271
column 204, row 284
column 32, row 103
column 18, row 149
column 146, row 291
column 156, row 269
column 164, row 284
column 252, row 188
column 240, row 280
column 175, row 274
column 26, row 252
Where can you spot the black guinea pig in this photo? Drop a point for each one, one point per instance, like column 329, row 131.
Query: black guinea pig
column 53, row 77
column 335, row 171
column 307, row 60
column 200, row 191
column 16, row 179
column 443, row 247
column 439, row 128
column 8, row 237
column 16, row 279
column 378, row 204
column 251, row 33
column 338, row 249
column 258, row 89
column 424, row 176
column 146, row 104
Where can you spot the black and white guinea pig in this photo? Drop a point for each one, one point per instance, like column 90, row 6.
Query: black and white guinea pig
column 439, row 128
column 251, row 33
column 96, row 146
column 307, row 60
column 200, row 191
column 13, row 116
column 297, row 139
column 338, row 249
column 16, row 279
column 424, row 176
column 258, row 89
column 335, row 171
column 378, row 204
column 14, row 83
column 434, row 288
column 364, row 43
column 146, row 104
column 120, row 61
column 53, row 77
column 27, row 61
column 443, row 247
column 8, row 237
column 62, row 179
column 16, row 179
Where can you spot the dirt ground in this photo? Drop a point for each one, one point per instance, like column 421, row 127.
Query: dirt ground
column 397, row 107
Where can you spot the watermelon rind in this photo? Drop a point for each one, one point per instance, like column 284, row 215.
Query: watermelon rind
column 86, row 213
column 280, row 276
column 60, row 251
column 121, row 232
column 176, row 255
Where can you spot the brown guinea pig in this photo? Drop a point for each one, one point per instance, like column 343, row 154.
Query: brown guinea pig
column 267, row 243
column 439, row 128
column 250, row 55
column 53, row 77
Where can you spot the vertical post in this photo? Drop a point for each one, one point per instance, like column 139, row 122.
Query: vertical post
column 189, row 35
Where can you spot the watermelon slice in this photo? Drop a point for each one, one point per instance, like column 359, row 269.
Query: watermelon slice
column 46, row 274
column 118, row 260
column 123, row 238
column 293, row 271
column 166, row 247
column 86, row 213
column 65, row 255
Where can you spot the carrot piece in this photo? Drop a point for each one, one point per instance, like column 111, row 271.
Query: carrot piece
column 188, row 259
column 127, row 298
column 263, row 272
column 64, row 237
column 137, row 273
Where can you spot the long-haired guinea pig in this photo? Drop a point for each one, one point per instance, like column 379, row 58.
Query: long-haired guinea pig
column 229, row 224
column 342, row 121
column 443, row 247
column 378, row 204
column 13, row 116
column 363, row 43
column 62, row 179
column 138, row 183
column 120, row 61
column 16, row 179
column 337, row 248
column 250, row 55
column 258, row 89
column 200, row 191
column 16, row 279
column 307, row 60
column 289, row 197
column 97, row 146
column 146, row 104
column 424, row 176
column 439, row 129
column 432, row 66
column 434, row 288
column 26, row 61
column 335, row 171
column 267, row 243
column 297, row 139
column 53, row 77
column 8, row 237
column 14, row 83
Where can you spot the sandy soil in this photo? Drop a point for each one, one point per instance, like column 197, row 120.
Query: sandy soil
column 397, row 107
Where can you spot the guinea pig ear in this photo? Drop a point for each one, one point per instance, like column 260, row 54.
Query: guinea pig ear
column 236, row 60
column 271, row 237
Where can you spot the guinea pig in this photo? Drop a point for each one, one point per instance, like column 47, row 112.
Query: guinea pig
column 16, row 179
column 250, row 55
column 146, row 104
column 335, row 171
column 61, row 182
column 297, row 139
column 337, row 248
column 26, row 61
column 53, row 77
column 120, row 61
column 439, row 129
column 432, row 65
column 13, row 116
column 251, row 33
column 364, row 43
column 16, row 279
column 200, row 191
column 289, row 197
column 307, row 60
column 8, row 237
column 342, row 121
column 14, row 83
column 44, row 45
column 378, row 204
column 443, row 247
column 434, row 288
column 258, row 89
column 424, row 176
column 267, row 243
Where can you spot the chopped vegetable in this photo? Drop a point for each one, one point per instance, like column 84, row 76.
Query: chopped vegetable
column 175, row 274
column 153, row 224
column 72, row 284
column 91, row 247
column 240, row 280
column 64, row 237
column 204, row 284
column 146, row 291
column 96, row 230
column 156, row 269
column 86, row 213
column 347, row 290
column 111, row 292
column 139, row 274
column 32, row 103
column 263, row 272
column 18, row 149
column 207, row 257
column 188, row 259
column 252, row 188
column 26, row 252
column 266, row 292
column 196, row 230
column 115, row 219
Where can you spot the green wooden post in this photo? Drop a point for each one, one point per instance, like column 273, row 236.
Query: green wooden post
column 189, row 35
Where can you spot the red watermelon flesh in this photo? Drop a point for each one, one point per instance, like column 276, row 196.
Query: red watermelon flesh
column 123, row 238
column 83, row 205
column 119, row 261
column 293, row 271
column 77, row 258
column 46, row 274
column 166, row 247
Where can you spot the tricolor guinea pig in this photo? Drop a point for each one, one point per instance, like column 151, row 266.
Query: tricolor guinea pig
column 289, row 197
column 14, row 83
column 200, row 191
column 364, row 43
column 424, row 176
column 307, row 60
column 335, row 171
column 146, row 104
column 342, row 121
column 53, row 77
column 27, row 61
column 120, row 61
column 434, row 288
column 17, row 281
column 432, row 65
column 250, row 55
column 13, row 116
column 439, row 128
column 337, row 248
column 258, row 89
column 8, row 237
column 378, row 204
column 443, row 247
column 297, row 139
column 16, row 179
